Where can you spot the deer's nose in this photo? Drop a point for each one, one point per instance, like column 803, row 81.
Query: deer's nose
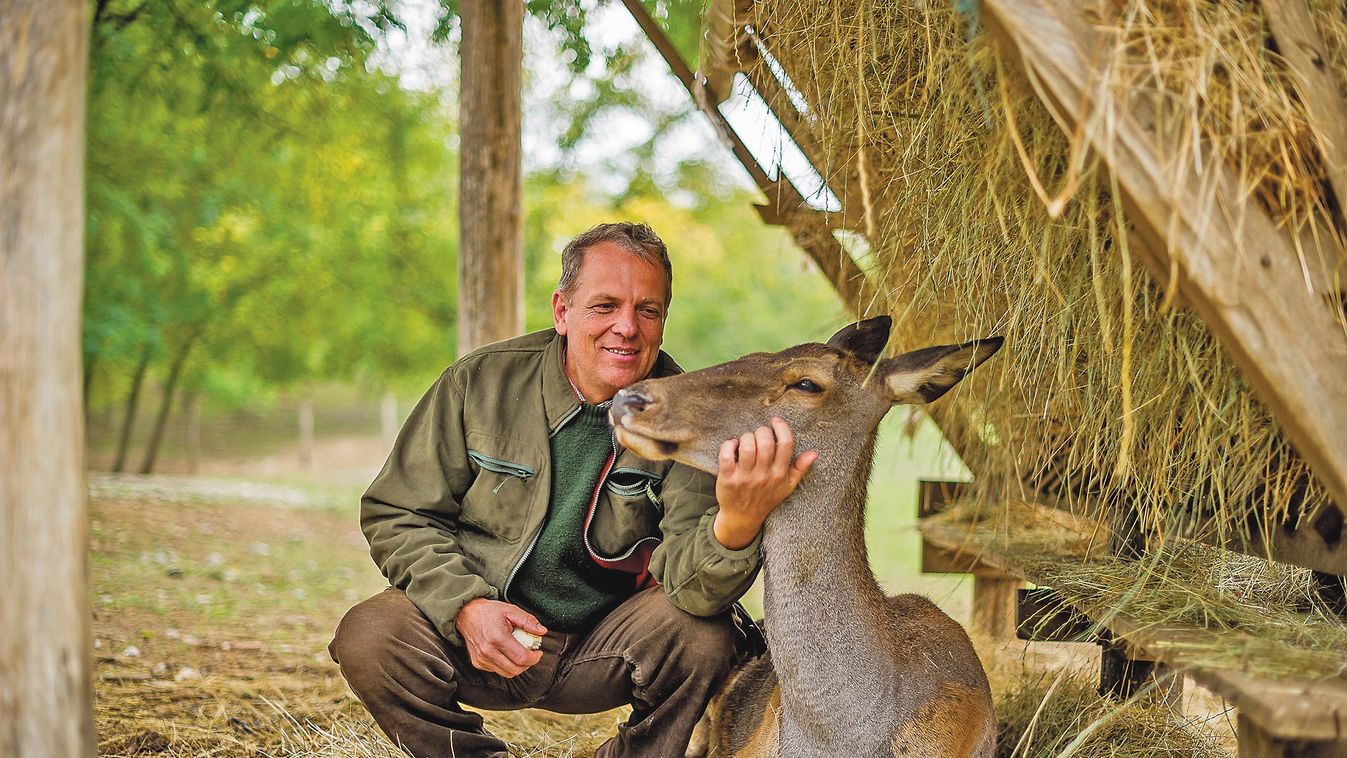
column 630, row 400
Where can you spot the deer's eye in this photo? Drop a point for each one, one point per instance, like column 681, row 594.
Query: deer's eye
column 807, row 385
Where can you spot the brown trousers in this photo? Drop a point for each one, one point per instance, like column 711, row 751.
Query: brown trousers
column 662, row 661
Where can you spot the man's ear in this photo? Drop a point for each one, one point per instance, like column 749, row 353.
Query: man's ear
column 559, row 308
column 924, row 375
column 864, row 339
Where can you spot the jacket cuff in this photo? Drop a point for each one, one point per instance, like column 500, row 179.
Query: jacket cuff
column 745, row 553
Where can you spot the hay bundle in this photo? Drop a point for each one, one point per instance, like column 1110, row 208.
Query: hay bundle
column 983, row 217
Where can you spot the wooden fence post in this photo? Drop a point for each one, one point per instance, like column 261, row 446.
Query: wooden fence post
column 46, row 698
column 491, row 188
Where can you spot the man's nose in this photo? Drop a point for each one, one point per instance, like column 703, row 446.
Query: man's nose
column 625, row 323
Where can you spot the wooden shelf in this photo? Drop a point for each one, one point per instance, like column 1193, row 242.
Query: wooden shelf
column 1284, row 711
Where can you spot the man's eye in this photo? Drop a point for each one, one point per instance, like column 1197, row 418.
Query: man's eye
column 604, row 307
column 651, row 313
column 807, row 385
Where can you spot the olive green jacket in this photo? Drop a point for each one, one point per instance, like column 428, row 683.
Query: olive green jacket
column 464, row 494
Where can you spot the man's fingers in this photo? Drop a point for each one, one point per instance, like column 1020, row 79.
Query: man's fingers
column 801, row 465
column 785, row 445
column 728, row 449
column 748, row 450
column 765, row 439
column 522, row 619
column 518, row 655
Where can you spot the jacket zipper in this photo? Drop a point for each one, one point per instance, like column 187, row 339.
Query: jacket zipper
column 505, row 591
column 501, row 467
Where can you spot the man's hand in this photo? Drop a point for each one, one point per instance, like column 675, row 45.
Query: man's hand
column 486, row 627
column 757, row 471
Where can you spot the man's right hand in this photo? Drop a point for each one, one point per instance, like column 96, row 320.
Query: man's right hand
column 487, row 628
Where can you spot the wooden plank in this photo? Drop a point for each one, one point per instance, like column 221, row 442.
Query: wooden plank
column 46, row 691
column 1299, row 43
column 939, row 560
column 491, row 183
column 1255, row 742
column 844, row 181
column 1239, row 273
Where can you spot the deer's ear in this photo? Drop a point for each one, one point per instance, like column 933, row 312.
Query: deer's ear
column 924, row 375
column 864, row 339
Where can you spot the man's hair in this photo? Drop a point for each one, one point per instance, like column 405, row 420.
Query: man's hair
column 637, row 239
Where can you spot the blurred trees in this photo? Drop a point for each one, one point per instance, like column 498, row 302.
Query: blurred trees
column 264, row 206
column 268, row 207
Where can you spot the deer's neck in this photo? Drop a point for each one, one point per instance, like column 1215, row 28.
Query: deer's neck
column 828, row 622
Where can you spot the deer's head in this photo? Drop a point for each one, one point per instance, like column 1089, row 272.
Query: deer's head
column 832, row 395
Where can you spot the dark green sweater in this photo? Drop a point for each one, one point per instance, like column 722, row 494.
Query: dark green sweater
column 560, row 583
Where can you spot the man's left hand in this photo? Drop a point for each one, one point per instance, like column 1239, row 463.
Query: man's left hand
column 757, row 472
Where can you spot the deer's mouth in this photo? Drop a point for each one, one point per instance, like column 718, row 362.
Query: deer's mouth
column 642, row 442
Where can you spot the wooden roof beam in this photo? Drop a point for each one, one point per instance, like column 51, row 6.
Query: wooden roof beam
column 1238, row 272
column 1299, row 43
column 784, row 200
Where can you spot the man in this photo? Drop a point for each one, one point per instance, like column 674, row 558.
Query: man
column 506, row 505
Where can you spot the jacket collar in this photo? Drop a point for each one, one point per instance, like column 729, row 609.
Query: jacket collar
column 560, row 402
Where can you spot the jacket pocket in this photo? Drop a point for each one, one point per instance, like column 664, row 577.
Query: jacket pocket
column 628, row 485
column 503, row 491
column 629, row 511
column 496, row 465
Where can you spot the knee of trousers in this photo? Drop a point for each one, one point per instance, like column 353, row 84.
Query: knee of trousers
column 701, row 646
column 370, row 644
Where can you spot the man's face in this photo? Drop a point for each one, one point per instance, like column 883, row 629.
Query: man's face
column 613, row 321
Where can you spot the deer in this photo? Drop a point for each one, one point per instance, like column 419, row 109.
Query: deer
column 848, row 670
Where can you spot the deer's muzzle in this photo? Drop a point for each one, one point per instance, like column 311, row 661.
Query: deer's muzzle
column 630, row 400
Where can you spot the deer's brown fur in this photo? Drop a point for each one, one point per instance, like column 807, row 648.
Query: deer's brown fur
column 850, row 671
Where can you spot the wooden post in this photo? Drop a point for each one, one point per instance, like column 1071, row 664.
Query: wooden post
column 994, row 605
column 46, row 698
column 491, row 231
column 306, row 434
column 388, row 418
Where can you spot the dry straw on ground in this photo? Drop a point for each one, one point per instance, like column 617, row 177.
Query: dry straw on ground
column 1054, row 715
column 984, row 218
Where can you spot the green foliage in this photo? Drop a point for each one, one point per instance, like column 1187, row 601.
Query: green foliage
column 262, row 197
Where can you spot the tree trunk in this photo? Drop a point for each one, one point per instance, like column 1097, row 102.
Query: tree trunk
column 46, row 698
column 132, row 401
column 193, row 433
column 490, row 250
column 166, row 404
